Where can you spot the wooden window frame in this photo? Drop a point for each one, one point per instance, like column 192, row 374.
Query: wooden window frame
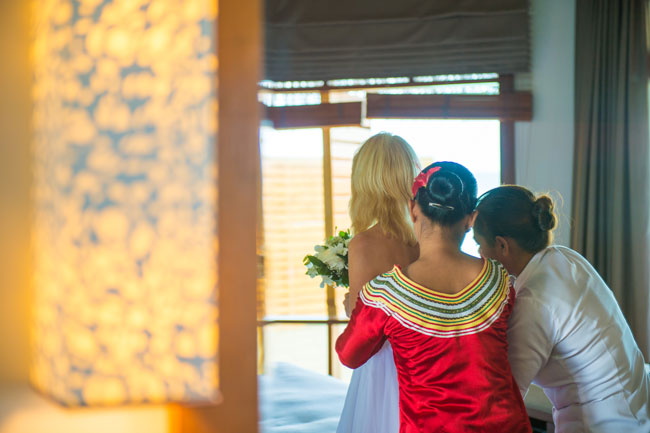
column 509, row 106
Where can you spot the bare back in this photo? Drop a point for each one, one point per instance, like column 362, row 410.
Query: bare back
column 372, row 253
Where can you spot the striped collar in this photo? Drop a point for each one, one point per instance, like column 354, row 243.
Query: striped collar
column 430, row 312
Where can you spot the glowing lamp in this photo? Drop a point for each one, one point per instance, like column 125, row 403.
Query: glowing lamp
column 125, row 201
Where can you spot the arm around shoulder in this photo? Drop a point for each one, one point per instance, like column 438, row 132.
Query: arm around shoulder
column 363, row 336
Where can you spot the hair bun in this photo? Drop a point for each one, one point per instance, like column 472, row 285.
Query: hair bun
column 449, row 193
column 544, row 214
column 445, row 188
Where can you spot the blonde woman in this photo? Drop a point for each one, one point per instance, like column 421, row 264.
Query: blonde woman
column 383, row 170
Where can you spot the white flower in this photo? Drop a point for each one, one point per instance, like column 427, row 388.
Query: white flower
column 326, row 281
column 339, row 249
column 331, row 259
column 311, row 270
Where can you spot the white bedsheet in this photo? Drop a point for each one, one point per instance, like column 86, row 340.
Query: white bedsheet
column 295, row 400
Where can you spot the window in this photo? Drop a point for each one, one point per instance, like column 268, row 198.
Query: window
column 300, row 321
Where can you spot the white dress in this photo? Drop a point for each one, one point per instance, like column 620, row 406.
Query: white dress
column 372, row 402
column 568, row 335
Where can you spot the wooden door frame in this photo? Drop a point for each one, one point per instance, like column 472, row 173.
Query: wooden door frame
column 239, row 70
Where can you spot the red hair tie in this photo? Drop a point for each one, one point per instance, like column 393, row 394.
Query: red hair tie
column 423, row 179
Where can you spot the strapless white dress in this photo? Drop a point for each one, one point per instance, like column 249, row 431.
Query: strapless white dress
column 372, row 402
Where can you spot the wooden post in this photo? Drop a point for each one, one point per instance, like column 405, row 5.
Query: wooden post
column 327, row 174
column 329, row 226
column 506, row 85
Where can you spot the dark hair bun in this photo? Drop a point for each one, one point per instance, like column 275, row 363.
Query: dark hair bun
column 450, row 193
column 513, row 211
column 543, row 213
column 445, row 188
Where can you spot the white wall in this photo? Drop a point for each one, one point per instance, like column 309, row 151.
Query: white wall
column 544, row 147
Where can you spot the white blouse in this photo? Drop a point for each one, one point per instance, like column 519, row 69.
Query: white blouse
column 568, row 335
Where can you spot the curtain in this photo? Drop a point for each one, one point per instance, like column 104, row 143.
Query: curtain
column 611, row 175
column 323, row 40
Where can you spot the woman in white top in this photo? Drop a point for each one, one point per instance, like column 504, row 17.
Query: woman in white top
column 567, row 333
column 383, row 170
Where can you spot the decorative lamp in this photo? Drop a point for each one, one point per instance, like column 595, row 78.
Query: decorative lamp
column 125, row 201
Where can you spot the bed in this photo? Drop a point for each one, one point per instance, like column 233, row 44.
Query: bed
column 294, row 400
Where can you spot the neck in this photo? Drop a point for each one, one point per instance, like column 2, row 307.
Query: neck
column 519, row 262
column 436, row 239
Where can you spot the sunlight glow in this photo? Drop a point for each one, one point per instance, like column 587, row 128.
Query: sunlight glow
column 473, row 143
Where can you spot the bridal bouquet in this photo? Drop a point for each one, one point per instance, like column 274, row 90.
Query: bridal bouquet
column 330, row 261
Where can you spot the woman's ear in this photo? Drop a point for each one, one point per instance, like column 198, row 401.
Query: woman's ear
column 412, row 210
column 502, row 246
column 470, row 220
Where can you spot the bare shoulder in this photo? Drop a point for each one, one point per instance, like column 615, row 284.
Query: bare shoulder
column 372, row 253
column 366, row 259
column 364, row 241
column 370, row 243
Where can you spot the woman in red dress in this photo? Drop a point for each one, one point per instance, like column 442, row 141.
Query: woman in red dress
column 446, row 317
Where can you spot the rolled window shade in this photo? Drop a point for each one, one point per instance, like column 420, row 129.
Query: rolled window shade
column 333, row 39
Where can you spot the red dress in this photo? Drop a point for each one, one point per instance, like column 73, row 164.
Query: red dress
column 450, row 351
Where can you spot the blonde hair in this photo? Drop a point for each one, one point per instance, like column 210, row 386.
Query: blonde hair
column 383, row 170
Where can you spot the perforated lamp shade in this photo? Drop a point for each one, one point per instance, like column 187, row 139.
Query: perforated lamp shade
column 124, row 239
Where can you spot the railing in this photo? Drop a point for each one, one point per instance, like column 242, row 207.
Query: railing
column 295, row 321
